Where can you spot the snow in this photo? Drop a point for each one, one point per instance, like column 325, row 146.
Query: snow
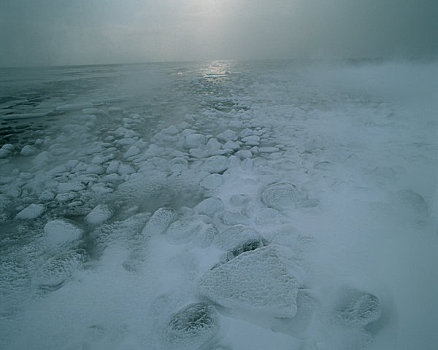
column 280, row 206
column 60, row 232
column 99, row 215
column 257, row 282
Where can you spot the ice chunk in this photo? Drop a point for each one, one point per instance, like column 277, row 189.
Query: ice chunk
column 65, row 197
column 227, row 135
column 257, row 282
column 280, row 195
column 70, row 186
column 252, row 140
column 99, row 215
column 244, row 154
column 171, row 130
column 56, row 270
column 194, row 141
column 356, row 308
column 210, row 206
column 59, row 232
column 231, row 218
column 74, row 106
column 235, row 236
column 4, row 153
column 132, row 151
column 247, row 246
column 268, row 149
column 159, row 222
column 193, row 326
column 213, row 146
column 212, row 181
column 184, row 229
column 113, row 167
column 28, row 150
column 31, row 212
column 231, row 145
column 215, row 164
column 178, row 164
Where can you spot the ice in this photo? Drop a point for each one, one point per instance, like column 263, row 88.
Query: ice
column 212, row 181
column 6, row 150
column 210, row 206
column 56, row 270
column 99, row 215
column 171, row 130
column 231, row 145
column 235, row 236
column 227, row 135
column 28, row 150
column 248, row 193
column 184, row 229
column 215, row 164
column 256, row 281
column 60, row 232
column 244, row 154
column 159, row 222
column 32, row 211
column 132, row 151
column 113, row 167
column 252, row 140
column 355, row 308
column 281, row 196
column 194, row 141
column 193, row 327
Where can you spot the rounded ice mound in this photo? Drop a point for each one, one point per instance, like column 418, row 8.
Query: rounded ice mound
column 184, row 229
column 235, row 236
column 28, row 150
column 257, row 282
column 210, row 206
column 59, row 232
column 280, row 195
column 356, row 308
column 56, row 270
column 194, row 141
column 31, row 212
column 99, row 215
column 159, row 222
column 212, row 181
column 193, row 326
column 215, row 164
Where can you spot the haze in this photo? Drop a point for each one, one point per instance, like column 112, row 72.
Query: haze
column 49, row 32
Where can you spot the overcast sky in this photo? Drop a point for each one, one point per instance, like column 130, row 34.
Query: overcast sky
column 53, row 32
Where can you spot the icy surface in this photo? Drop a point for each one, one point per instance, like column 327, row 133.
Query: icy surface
column 257, row 281
column 221, row 205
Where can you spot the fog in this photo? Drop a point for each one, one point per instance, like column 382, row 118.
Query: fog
column 49, row 32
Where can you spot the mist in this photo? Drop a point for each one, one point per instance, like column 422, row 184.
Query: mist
column 48, row 32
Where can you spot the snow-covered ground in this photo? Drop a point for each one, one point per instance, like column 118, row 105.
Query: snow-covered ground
column 224, row 205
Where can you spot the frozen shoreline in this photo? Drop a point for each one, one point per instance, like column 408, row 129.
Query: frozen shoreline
column 123, row 218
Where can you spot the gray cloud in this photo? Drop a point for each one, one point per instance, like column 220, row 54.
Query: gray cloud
column 46, row 32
